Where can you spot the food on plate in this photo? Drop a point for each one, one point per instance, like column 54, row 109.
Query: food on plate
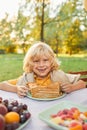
column 71, row 118
column 13, row 114
column 41, row 91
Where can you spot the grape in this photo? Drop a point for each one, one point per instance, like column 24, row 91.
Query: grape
column 8, row 127
column 10, row 106
column 20, row 107
column 24, row 106
column 22, row 118
column 27, row 114
column 5, row 102
column 15, row 125
column 15, row 109
column 14, row 103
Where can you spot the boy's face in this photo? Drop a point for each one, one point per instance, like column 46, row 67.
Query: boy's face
column 41, row 66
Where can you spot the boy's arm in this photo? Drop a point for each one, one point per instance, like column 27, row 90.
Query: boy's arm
column 70, row 87
column 79, row 85
column 6, row 86
column 11, row 86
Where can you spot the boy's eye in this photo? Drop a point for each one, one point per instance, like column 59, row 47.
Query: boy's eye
column 46, row 59
column 35, row 61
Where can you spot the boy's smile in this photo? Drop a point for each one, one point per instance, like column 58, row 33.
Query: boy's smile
column 41, row 66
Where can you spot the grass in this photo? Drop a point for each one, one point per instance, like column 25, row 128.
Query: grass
column 11, row 64
column 73, row 63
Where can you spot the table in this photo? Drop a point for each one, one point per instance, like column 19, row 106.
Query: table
column 35, row 106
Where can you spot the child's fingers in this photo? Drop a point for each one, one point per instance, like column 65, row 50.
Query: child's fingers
column 22, row 91
column 66, row 87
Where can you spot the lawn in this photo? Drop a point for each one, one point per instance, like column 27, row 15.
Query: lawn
column 11, row 64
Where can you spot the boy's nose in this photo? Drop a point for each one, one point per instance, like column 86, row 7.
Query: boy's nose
column 41, row 63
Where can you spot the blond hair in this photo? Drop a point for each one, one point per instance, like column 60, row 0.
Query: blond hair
column 36, row 51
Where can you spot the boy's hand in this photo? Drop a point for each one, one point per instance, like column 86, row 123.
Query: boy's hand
column 67, row 87
column 22, row 91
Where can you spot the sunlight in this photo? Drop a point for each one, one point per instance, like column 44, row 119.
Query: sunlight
column 8, row 6
column 11, row 7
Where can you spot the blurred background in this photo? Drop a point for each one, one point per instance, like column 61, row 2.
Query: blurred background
column 60, row 23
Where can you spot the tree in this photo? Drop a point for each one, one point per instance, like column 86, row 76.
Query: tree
column 63, row 30
column 5, row 31
column 53, row 30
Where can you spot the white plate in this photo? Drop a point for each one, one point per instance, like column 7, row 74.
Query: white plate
column 44, row 99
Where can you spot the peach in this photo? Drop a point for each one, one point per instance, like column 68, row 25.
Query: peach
column 3, row 109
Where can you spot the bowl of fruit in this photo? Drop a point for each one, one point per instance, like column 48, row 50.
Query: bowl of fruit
column 13, row 114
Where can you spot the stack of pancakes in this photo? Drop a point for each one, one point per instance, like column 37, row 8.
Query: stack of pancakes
column 50, row 91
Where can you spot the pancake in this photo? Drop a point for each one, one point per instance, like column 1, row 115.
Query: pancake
column 52, row 90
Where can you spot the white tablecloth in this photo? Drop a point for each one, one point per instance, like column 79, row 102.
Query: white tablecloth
column 35, row 106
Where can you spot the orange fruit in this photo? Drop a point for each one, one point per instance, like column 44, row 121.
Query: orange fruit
column 12, row 117
column 85, row 113
column 78, row 127
column 76, row 114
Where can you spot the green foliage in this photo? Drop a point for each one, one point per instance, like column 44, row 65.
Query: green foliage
column 62, row 31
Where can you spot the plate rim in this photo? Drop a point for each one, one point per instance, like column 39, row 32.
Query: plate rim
column 45, row 99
